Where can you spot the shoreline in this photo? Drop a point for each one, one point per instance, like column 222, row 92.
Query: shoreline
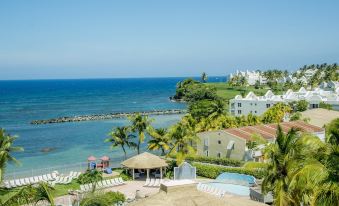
column 107, row 116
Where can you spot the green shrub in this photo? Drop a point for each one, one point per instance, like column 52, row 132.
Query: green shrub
column 215, row 160
column 213, row 171
column 255, row 165
column 102, row 199
column 125, row 175
column 90, row 176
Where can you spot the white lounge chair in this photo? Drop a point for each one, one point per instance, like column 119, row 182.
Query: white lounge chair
column 45, row 178
column 17, row 182
column 22, row 181
column 54, row 175
column 156, row 183
column 100, row 185
column 49, row 177
column 147, row 182
column 151, row 182
column 27, row 181
column 7, row 185
column 12, row 183
column 121, row 180
column 112, row 182
column 116, row 181
column 40, row 178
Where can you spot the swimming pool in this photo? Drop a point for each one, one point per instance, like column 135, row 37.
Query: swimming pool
column 235, row 178
column 231, row 188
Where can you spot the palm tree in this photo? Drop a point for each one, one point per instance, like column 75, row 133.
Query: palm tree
column 6, row 150
column 204, row 77
column 160, row 140
column 280, row 158
column 120, row 137
column 30, row 194
column 140, row 125
column 184, row 138
column 43, row 193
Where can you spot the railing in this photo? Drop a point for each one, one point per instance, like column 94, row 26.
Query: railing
column 62, row 169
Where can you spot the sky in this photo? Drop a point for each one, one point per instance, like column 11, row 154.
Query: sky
column 111, row 39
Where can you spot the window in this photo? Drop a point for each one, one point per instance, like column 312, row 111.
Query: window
column 206, row 153
column 255, row 104
column 219, row 155
column 268, row 105
column 255, row 111
column 219, row 141
column 206, row 142
column 239, row 104
column 314, row 106
column 239, row 111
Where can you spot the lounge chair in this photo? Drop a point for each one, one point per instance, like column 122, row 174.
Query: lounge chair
column 27, row 181
column 100, row 185
column 116, row 181
column 147, row 182
column 7, row 185
column 12, row 183
column 40, row 178
column 156, row 183
column 66, row 180
column 49, row 177
column 17, row 182
column 54, row 175
column 22, row 181
column 77, row 174
column 45, row 178
column 151, row 183
column 121, row 180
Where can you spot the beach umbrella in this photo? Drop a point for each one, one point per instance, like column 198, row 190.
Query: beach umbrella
column 104, row 158
column 91, row 158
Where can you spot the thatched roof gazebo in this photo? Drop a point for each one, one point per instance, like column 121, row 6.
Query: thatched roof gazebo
column 145, row 161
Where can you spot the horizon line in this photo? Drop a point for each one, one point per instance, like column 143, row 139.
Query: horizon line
column 103, row 78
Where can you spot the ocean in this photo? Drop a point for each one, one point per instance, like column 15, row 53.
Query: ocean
column 22, row 101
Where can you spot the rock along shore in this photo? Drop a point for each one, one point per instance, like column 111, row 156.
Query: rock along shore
column 95, row 117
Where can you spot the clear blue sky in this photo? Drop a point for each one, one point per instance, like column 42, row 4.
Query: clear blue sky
column 91, row 39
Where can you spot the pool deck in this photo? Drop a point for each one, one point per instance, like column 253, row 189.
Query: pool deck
column 185, row 194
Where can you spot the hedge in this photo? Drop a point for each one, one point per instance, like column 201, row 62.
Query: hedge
column 214, row 160
column 213, row 171
column 105, row 199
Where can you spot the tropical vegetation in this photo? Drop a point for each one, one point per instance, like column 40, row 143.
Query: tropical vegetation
column 121, row 136
column 102, row 199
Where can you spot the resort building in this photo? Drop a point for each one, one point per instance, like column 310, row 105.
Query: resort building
column 329, row 85
column 257, row 105
column 290, row 78
column 251, row 76
column 231, row 143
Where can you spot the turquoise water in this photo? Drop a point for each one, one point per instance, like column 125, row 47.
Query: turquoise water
column 231, row 188
column 235, row 177
column 24, row 101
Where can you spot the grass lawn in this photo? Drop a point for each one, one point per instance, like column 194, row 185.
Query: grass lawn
column 228, row 92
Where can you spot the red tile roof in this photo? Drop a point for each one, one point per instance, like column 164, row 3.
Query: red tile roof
column 269, row 131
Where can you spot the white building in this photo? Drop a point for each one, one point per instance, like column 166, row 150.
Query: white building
column 257, row 105
column 250, row 76
column 329, row 85
column 291, row 79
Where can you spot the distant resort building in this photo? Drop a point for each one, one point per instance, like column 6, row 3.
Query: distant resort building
column 257, row 105
column 231, row 143
column 283, row 80
column 251, row 76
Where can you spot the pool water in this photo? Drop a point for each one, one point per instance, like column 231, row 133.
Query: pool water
column 231, row 188
column 235, row 178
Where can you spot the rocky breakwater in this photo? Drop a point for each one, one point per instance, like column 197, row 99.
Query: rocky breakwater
column 95, row 117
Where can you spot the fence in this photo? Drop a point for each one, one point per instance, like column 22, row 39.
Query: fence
column 62, row 169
